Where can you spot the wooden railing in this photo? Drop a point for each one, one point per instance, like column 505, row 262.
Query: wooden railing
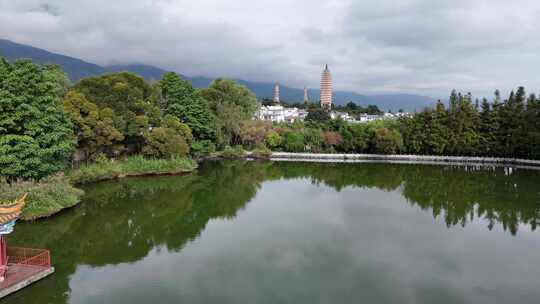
column 29, row 256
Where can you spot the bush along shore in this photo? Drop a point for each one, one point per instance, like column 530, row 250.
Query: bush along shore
column 132, row 166
column 53, row 194
column 47, row 123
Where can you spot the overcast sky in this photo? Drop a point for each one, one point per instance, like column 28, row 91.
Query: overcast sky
column 426, row 47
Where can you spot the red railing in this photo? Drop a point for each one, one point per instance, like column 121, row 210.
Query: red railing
column 29, row 256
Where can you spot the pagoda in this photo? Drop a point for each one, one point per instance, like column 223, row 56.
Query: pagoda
column 276, row 93
column 326, row 89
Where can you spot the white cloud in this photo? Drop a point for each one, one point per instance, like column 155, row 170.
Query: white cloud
column 416, row 46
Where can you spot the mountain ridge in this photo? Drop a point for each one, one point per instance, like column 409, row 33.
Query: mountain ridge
column 77, row 68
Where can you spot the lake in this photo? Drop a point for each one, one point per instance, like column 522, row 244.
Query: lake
column 287, row 232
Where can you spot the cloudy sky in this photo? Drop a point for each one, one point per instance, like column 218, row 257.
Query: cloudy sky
column 409, row 46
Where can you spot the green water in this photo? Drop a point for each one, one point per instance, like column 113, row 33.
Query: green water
column 247, row 232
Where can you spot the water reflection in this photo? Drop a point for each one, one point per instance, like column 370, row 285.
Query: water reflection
column 123, row 221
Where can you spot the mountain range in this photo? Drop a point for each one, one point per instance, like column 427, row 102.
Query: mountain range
column 77, row 69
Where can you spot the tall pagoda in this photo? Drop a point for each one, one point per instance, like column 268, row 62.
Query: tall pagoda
column 276, row 93
column 326, row 89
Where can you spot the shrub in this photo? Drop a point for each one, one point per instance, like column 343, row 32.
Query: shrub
column 273, row 139
column 139, row 165
column 387, row 141
column 261, row 152
column 202, row 148
column 294, row 142
column 102, row 170
column 134, row 165
column 332, row 139
column 166, row 143
column 236, row 152
column 314, row 139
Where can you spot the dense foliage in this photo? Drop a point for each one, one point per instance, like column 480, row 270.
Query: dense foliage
column 36, row 137
column 502, row 128
column 177, row 97
column 231, row 104
column 45, row 122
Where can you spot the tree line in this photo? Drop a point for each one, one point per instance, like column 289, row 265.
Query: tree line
column 465, row 127
column 501, row 128
column 47, row 122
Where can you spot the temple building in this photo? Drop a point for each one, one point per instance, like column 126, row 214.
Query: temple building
column 276, row 93
column 326, row 89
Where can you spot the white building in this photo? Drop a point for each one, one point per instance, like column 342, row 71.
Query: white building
column 281, row 114
column 343, row 115
column 272, row 113
column 369, row 118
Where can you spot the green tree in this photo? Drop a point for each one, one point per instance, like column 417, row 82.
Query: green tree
column 532, row 127
column 36, row 136
column 387, row 141
column 128, row 95
column 318, row 116
column 463, row 122
column 230, row 103
column 436, row 137
column 180, row 99
column 172, row 139
column 94, row 127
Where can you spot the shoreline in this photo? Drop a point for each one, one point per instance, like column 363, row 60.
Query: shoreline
column 404, row 159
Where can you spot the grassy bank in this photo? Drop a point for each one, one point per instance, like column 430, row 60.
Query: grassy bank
column 53, row 194
column 132, row 166
column 45, row 197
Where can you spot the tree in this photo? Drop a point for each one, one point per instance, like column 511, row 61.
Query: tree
column 253, row 132
column 180, row 99
column 128, row 95
column 318, row 116
column 488, row 129
column 532, row 127
column 387, row 141
column 36, row 137
column 463, row 121
column 436, row 137
column 172, row 139
column 230, row 103
column 93, row 127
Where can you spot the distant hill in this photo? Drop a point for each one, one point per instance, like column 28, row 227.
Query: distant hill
column 77, row 69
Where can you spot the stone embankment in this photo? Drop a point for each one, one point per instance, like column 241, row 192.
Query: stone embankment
column 403, row 159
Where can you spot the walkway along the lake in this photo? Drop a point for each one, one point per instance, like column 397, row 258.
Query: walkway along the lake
column 284, row 156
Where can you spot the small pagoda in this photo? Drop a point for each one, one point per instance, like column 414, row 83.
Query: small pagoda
column 19, row 267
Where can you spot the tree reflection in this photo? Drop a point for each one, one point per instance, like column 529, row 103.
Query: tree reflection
column 121, row 221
